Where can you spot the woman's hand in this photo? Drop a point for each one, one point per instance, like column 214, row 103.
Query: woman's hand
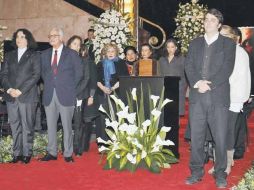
column 90, row 101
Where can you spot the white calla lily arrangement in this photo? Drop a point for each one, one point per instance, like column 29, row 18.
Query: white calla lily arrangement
column 134, row 141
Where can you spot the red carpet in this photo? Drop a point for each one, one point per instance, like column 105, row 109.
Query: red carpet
column 85, row 173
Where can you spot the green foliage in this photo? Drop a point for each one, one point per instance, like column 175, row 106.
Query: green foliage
column 247, row 182
column 39, row 146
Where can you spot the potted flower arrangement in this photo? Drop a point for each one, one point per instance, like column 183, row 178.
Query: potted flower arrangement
column 189, row 22
column 136, row 141
column 111, row 27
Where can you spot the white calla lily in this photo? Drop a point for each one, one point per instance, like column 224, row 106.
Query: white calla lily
column 131, row 158
column 123, row 114
column 165, row 129
column 165, row 102
column 113, row 124
column 102, row 109
column 134, row 94
column 100, row 140
column 103, row 148
column 156, row 113
column 143, row 154
column 131, row 118
column 155, row 99
column 131, row 129
column 145, row 124
column 118, row 101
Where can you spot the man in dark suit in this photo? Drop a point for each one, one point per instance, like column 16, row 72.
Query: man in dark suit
column 20, row 74
column 88, row 42
column 61, row 73
column 208, row 66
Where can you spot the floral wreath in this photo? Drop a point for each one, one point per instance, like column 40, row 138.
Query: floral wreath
column 111, row 27
column 189, row 22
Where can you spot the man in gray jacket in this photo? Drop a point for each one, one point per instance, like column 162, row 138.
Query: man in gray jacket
column 208, row 66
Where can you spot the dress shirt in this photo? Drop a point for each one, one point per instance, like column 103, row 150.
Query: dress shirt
column 59, row 52
column 211, row 40
column 21, row 51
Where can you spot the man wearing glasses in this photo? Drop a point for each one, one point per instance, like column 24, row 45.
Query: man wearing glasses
column 61, row 72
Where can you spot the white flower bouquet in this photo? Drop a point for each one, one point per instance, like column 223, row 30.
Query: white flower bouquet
column 189, row 22
column 111, row 27
column 133, row 140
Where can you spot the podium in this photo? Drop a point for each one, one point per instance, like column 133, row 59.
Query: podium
column 170, row 113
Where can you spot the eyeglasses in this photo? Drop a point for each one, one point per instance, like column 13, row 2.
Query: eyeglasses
column 53, row 36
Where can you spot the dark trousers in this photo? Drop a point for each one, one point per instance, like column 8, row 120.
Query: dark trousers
column 202, row 113
column 231, row 134
column 100, row 121
column 22, row 121
column 82, row 131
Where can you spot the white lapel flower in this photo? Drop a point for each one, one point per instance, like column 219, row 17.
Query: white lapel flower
column 155, row 99
column 134, row 94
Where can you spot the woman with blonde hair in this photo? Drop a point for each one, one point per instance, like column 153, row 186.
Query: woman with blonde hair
column 108, row 71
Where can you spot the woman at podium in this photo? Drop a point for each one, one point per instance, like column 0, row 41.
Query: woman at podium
column 172, row 64
column 147, row 66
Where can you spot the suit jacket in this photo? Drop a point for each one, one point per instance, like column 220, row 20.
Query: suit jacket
column 22, row 75
column 69, row 74
column 220, row 68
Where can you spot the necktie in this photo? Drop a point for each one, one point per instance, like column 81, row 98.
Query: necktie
column 54, row 63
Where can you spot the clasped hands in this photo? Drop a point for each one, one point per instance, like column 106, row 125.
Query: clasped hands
column 203, row 86
column 15, row 93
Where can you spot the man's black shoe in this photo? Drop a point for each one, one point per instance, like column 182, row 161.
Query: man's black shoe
column 26, row 159
column 16, row 159
column 221, row 183
column 192, row 180
column 48, row 157
column 68, row 159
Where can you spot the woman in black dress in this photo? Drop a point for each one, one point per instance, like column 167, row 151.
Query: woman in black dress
column 172, row 64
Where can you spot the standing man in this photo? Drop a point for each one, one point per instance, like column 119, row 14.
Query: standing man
column 20, row 74
column 61, row 73
column 88, row 42
column 208, row 66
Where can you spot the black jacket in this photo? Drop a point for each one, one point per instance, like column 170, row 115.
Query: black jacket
column 22, row 75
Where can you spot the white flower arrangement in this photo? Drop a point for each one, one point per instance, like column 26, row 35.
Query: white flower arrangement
column 2, row 44
column 111, row 27
column 133, row 140
column 189, row 22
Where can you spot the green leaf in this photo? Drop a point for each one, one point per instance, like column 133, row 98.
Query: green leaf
column 138, row 159
column 123, row 162
column 167, row 151
column 109, row 132
column 111, row 109
column 148, row 161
